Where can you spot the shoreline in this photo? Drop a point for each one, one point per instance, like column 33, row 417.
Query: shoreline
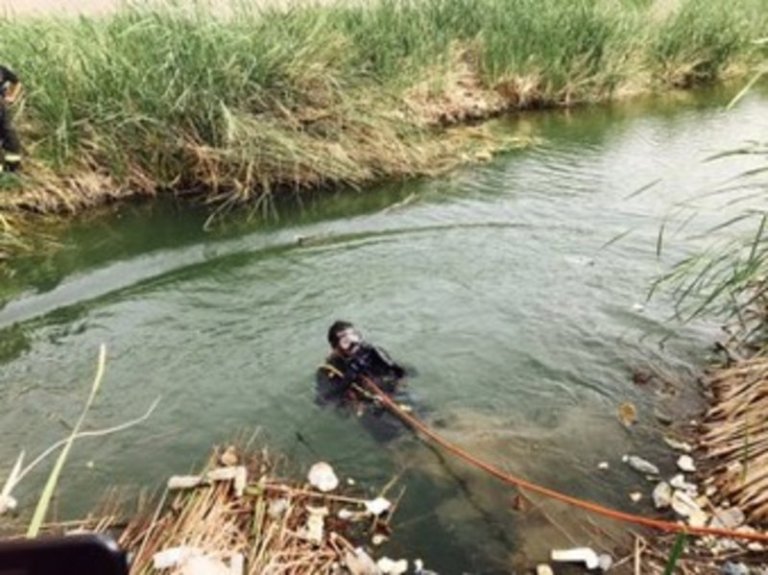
column 151, row 100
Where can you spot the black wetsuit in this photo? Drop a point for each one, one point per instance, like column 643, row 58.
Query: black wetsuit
column 339, row 382
column 8, row 137
column 339, row 379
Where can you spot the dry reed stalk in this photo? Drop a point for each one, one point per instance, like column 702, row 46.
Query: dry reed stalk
column 265, row 525
column 735, row 436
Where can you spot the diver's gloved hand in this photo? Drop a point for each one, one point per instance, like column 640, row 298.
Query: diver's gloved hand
column 361, row 362
column 356, row 366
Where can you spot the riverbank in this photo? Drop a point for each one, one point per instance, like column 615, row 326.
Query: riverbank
column 240, row 515
column 721, row 478
column 241, row 108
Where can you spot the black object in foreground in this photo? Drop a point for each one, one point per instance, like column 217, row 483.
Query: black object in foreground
column 74, row 555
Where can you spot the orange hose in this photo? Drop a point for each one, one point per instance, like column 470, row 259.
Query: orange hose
column 659, row 524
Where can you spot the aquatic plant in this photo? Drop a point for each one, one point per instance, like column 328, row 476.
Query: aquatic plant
column 64, row 446
column 729, row 276
column 674, row 556
column 53, row 478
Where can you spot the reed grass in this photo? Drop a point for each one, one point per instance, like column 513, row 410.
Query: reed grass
column 263, row 528
column 41, row 509
column 20, row 471
column 238, row 103
column 734, row 441
column 729, row 276
column 698, row 43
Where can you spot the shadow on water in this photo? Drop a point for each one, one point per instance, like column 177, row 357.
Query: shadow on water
column 140, row 228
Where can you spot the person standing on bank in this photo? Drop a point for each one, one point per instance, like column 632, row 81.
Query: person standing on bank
column 10, row 87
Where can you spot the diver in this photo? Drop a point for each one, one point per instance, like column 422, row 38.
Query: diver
column 341, row 380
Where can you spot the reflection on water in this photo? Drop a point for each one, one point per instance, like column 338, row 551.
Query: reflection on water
column 502, row 284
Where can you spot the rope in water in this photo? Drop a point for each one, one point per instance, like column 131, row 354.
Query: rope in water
column 658, row 524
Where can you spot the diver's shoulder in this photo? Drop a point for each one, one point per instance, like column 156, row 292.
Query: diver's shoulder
column 332, row 366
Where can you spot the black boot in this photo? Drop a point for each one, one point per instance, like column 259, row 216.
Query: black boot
column 12, row 162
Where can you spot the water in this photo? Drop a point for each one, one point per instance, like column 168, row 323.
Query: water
column 501, row 284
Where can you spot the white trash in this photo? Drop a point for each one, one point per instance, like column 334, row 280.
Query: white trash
column 640, row 464
column 222, row 474
column 679, row 482
column 241, row 480
column 685, row 463
column 389, row 567
column 322, row 476
column 237, row 564
column 278, row 507
column 178, row 482
column 7, row 503
column 678, row 445
column 204, row 565
column 662, row 495
column 418, row 568
column 576, row 555
column 378, row 539
column 378, row 506
column 314, row 529
column 684, row 505
column 174, row 556
column 604, row 561
column 360, row 563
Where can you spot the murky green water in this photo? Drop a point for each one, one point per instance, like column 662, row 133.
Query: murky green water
column 495, row 283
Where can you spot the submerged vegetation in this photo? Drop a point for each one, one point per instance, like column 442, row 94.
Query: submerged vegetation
column 236, row 103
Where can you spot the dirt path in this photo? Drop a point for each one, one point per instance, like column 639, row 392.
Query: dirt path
column 31, row 7
column 96, row 7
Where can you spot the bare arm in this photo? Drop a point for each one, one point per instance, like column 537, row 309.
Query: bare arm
column 12, row 93
column 11, row 85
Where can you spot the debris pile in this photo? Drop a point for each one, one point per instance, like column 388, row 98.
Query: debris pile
column 720, row 481
column 238, row 517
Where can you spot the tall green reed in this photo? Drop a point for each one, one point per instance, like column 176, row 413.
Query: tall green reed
column 190, row 95
column 695, row 43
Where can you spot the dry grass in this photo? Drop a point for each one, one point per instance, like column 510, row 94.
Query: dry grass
column 735, row 436
column 264, row 526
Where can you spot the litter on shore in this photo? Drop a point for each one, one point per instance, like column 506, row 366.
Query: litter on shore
column 244, row 519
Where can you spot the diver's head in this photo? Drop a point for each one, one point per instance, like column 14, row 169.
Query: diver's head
column 344, row 338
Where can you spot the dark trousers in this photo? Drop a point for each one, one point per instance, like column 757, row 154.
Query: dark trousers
column 9, row 140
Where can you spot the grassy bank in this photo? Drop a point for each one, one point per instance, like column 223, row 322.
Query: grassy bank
column 240, row 104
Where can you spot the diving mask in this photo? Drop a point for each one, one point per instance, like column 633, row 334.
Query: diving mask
column 350, row 340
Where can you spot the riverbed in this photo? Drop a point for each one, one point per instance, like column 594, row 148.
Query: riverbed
column 516, row 290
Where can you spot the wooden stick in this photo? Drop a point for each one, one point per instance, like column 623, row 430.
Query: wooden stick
column 638, row 553
column 310, row 493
